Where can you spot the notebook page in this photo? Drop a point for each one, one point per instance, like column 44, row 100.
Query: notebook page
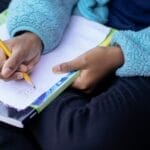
column 80, row 36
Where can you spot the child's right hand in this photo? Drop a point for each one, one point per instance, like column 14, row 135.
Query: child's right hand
column 26, row 51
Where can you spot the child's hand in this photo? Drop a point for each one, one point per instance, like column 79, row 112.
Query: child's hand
column 94, row 65
column 26, row 51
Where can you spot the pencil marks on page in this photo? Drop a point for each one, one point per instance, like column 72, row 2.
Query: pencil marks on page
column 75, row 42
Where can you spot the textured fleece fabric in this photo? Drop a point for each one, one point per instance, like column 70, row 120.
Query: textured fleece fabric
column 46, row 18
column 136, row 50
column 96, row 10
column 49, row 18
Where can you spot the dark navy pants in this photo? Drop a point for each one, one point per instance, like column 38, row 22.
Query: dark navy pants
column 3, row 4
column 115, row 119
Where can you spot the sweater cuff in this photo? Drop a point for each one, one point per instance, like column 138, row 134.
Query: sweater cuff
column 136, row 56
column 48, row 24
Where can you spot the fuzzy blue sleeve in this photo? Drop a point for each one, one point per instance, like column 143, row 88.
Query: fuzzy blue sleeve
column 95, row 10
column 136, row 50
column 46, row 18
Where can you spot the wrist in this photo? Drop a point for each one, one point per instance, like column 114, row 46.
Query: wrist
column 34, row 39
column 115, row 56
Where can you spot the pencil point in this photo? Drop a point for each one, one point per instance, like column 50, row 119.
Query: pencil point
column 34, row 86
column 31, row 83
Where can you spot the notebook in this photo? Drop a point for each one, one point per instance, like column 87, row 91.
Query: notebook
column 19, row 102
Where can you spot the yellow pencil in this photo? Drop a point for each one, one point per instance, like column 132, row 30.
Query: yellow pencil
column 8, row 53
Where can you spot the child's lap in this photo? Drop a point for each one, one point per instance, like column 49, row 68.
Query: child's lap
column 73, row 119
column 73, row 116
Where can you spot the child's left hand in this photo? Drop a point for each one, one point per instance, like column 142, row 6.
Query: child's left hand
column 94, row 65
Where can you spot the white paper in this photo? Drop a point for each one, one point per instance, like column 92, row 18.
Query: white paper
column 80, row 36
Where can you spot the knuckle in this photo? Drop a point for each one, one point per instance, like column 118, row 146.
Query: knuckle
column 84, row 86
column 12, row 68
column 84, row 60
column 2, row 55
column 4, row 78
column 65, row 67
column 13, row 63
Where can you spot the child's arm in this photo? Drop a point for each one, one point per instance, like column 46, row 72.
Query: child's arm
column 47, row 19
column 136, row 50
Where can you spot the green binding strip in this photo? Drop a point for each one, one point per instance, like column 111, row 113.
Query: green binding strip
column 107, row 41
column 47, row 97
column 3, row 17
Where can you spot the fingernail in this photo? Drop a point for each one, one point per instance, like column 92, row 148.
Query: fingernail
column 30, row 67
column 57, row 69
column 23, row 68
column 6, row 72
column 20, row 76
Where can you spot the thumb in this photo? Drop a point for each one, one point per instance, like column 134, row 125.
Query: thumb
column 76, row 64
column 11, row 65
column 2, row 58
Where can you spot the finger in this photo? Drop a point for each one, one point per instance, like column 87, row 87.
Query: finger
column 12, row 64
column 15, row 76
column 23, row 68
column 1, row 77
column 81, row 83
column 2, row 58
column 80, row 86
column 84, row 82
column 76, row 64
column 32, row 63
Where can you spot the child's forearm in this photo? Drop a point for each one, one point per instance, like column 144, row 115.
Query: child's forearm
column 136, row 50
column 47, row 19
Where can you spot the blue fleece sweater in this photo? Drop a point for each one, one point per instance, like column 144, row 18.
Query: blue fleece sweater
column 48, row 19
column 136, row 50
column 96, row 10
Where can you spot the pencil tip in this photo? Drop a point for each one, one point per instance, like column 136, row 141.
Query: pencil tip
column 34, row 86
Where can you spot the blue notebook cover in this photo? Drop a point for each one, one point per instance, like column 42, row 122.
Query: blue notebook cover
column 20, row 118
